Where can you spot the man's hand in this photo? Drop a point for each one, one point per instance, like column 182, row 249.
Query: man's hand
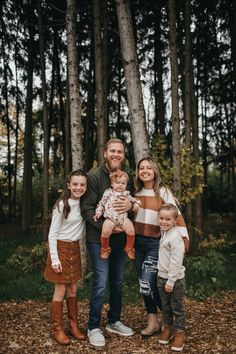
column 122, row 205
column 168, row 288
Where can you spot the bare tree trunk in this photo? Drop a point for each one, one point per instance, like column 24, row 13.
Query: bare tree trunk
column 90, row 113
column 158, row 73
column 45, row 221
column 99, row 77
column 26, row 209
column 174, row 98
column 16, row 128
column 188, row 101
column 133, row 83
column 73, row 79
column 75, row 105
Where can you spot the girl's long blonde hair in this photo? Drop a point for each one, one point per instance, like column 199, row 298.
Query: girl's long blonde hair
column 157, row 182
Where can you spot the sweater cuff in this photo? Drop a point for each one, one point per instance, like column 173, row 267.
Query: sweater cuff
column 170, row 283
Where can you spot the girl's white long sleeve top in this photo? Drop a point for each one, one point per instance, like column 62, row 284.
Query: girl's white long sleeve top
column 70, row 229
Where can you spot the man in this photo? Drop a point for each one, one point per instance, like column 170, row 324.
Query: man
column 112, row 268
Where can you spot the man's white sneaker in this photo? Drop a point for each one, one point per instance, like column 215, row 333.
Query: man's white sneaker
column 119, row 328
column 96, row 337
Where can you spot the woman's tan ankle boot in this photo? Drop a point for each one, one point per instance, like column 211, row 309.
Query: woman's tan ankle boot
column 153, row 325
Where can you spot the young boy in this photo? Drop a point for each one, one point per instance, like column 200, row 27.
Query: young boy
column 171, row 278
column 119, row 180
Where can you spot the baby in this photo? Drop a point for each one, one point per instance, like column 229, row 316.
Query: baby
column 119, row 180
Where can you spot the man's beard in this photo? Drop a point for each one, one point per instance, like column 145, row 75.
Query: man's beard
column 113, row 166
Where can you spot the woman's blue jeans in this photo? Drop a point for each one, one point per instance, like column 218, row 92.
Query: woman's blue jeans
column 112, row 269
column 146, row 258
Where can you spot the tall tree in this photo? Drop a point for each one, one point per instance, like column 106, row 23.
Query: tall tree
column 26, row 209
column 45, row 123
column 174, row 97
column 101, row 99
column 133, row 83
column 75, row 104
column 73, row 80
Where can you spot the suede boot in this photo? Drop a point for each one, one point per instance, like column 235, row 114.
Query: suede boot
column 152, row 327
column 57, row 318
column 72, row 307
column 166, row 335
column 129, row 247
column 178, row 342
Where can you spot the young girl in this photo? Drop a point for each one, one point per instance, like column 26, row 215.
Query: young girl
column 152, row 193
column 63, row 266
column 119, row 180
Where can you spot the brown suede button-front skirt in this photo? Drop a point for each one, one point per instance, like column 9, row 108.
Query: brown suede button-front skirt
column 69, row 256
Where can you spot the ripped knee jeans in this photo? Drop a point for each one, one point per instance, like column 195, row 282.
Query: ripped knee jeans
column 146, row 258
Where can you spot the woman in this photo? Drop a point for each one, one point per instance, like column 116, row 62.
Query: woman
column 152, row 193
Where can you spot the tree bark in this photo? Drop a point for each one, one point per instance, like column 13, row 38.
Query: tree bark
column 133, row 83
column 174, row 98
column 73, row 80
column 75, row 105
column 26, row 208
column 99, row 77
column 45, row 221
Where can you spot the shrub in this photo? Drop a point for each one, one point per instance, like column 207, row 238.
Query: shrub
column 29, row 259
column 204, row 274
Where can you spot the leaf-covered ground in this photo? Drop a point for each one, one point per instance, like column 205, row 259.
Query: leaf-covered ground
column 211, row 328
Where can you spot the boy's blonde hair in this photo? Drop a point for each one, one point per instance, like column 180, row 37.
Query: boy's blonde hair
column 170, row 207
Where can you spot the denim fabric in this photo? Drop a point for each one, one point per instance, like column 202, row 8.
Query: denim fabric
column 146, row 258
column 172, row 303
column 112, row 269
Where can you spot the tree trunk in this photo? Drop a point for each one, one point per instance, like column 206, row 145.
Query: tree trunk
column 75, row 105
column 99, row 77
column 45, row 221
column 26, row 209
column 187, row 101
column 174, row 99
column 158, row 73
column 133, row 83
column 73, row 80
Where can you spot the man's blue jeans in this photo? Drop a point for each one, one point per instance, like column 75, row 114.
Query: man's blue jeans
column 146, row 258
column 112, row 268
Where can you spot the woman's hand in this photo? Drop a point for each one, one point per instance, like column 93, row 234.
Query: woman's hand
column 57, row 268
column 122, row 205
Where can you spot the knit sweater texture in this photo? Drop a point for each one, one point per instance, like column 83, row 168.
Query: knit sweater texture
column 171, row 255
column 146, row 220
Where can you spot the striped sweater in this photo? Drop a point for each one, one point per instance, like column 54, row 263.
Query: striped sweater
column 146, row 220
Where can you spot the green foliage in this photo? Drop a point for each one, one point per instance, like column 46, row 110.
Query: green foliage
column 29, row 259
column 205, row 274
column 189, row 169
column 217, row 243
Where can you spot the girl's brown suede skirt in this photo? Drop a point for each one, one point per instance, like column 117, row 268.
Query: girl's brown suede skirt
column 69, row 256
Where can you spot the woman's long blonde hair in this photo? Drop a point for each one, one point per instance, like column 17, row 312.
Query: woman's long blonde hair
column 157, row 182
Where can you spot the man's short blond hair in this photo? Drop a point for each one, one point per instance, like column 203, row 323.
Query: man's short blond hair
column 114, row 141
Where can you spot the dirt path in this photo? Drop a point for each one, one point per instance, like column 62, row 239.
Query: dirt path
column 26, row 328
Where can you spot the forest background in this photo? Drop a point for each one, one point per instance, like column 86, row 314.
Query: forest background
column 161, row 76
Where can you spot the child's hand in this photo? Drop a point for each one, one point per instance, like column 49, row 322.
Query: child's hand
column 96, row 217
column 57, row 268
column 136, row 207
column 168, row 288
